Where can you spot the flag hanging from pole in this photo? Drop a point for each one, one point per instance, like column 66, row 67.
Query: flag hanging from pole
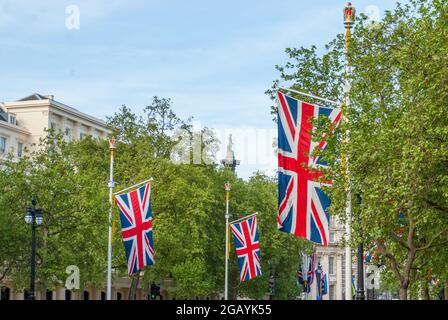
column 136, row 227
column 302, row 203
column 325, row 283
column 245, row 234
column 321, row 283
column 312, row 269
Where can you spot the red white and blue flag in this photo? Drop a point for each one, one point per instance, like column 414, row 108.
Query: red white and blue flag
column 302, row 203
column 247, row 246
column 136, row 227
column 311, row 269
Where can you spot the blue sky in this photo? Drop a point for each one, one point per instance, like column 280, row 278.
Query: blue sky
column 214, row 59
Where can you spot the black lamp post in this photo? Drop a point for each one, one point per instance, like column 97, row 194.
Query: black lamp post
column 360, row 292
column 34, row 217
column 319, row 281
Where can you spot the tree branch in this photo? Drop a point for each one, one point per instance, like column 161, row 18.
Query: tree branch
column 436, row 206
column 399, row 240
column 390, row 256
column 429, row 244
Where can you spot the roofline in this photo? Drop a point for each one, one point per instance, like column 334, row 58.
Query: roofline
column 57, row 105
column 78, row 113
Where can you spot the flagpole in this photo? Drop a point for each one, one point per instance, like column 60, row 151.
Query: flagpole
column 243, row 218
column 349, row 16
column 111, row 184
column 227, row 216
column 305, row 258
column 132, row 187
column 307, row 95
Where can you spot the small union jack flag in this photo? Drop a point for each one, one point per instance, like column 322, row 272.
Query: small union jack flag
column 302, row 203
column 136, row 227
column 247, row 246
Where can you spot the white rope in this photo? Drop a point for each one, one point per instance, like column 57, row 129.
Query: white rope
column 241, row 219
column 308, row 95
column 135, row 185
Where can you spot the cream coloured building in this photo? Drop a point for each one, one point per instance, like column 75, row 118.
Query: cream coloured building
column 22, row 124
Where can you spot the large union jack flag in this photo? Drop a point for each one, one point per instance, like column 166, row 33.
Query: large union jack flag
column 247, row 246
column 302, row 203
column 136, row 227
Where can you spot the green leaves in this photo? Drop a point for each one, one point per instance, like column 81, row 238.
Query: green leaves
column 397, row 152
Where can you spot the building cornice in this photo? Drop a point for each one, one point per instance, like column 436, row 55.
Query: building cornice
column 9, row 126
column 58, row 106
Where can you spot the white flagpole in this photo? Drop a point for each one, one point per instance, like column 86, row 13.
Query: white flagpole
column 308, row 95
column 243, row 218
column 111, row 184
column 131, row 187
column 227, row 216
column 349, row 16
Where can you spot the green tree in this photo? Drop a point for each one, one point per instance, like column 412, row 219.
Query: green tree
column 73, row 212
column 398, row 148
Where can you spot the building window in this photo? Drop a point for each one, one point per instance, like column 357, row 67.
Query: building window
column 331, row 292
column 85, row 295
column 331, row 265
column 68, row 133
column 53, row 126
column 12, row 119
column 331, row 236
column 82, row 135
column 19, row 149
column 2, row 144
column 68, row 295
column 103, row 295
column 49, row 295
column 118, row 296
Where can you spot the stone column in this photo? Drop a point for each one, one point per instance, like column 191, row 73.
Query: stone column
column 338, row 292
column 325, row 266
column 60, row 293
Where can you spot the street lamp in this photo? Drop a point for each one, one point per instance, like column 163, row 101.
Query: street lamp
column 33, row 216
column 360, row 292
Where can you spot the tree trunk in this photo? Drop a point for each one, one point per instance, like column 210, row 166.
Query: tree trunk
column 403, row 293
column 134, row 285
column 446, row 291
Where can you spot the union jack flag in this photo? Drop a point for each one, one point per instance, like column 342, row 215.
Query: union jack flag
column 312, row 269
column 306, row 278
column 136, row 227
column 247, row 246
column 302, row 203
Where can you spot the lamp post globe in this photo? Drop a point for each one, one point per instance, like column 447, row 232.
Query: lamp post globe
column 29, row 215
column 39, row 219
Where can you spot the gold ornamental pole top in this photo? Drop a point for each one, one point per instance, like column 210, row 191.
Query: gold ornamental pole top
column 112, row 143
column 349, row 15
